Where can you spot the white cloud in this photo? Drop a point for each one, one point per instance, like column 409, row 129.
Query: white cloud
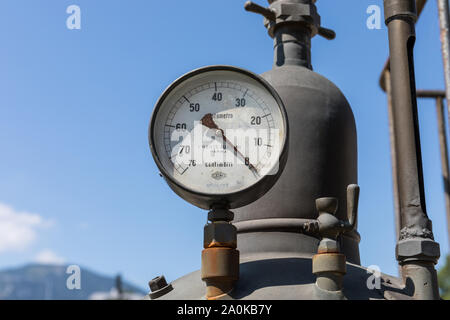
column 18, row 230
column 49, row 257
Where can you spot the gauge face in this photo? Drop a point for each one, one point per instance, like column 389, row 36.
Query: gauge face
column 217, row 133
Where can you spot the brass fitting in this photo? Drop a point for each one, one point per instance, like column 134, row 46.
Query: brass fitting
column 330, row 269
column 329, row 265
column 220, row 259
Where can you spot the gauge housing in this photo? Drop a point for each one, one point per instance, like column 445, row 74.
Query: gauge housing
column 230, row 200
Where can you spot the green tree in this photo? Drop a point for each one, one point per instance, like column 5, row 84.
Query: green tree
column 444, row 280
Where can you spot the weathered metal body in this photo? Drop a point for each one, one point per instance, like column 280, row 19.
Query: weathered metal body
column 444, row 21
column 288, row 247
column 322, row 162
column 275, row 250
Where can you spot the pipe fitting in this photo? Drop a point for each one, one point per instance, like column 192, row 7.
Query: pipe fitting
column 329, row 269
column 291, row 12
column 329, row 262
column 220, row 234
column 328, row 246
column 417, row 249
column 220, row 259
column 220, row 270
column 329, row 265
column 400, row 9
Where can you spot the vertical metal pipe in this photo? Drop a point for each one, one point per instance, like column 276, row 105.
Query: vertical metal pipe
column 415, row 249
column 407, row 140
column 444, row 158
column 292, row 46
column 443, row 10
column 397, row 216
column 387, row 81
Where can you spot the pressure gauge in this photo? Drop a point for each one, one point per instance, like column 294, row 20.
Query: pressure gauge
column 219, row 136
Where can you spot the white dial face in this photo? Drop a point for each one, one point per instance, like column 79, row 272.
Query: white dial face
column 218, row 132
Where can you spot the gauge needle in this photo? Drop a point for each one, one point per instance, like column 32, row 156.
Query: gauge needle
column 208, row 122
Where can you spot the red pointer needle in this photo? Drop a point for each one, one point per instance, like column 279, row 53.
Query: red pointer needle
column 208, row 122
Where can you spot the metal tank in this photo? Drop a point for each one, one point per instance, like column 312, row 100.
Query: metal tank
column 323, row 149
column 299, row 241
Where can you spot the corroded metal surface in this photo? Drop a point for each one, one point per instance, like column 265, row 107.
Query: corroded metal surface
column 407, row 140
column 276, row 255
column 288, row 276
column 220, row 270
column 439, row 96
column 443, row 146
column 420, row 5
column 220, row 259
column 397, row 217
column 416, row 246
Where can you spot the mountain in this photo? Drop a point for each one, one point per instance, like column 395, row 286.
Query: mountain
column 49, row 282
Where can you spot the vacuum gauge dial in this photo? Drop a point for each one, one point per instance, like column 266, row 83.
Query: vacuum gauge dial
column 219, row 136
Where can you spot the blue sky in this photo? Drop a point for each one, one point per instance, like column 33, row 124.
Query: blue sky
column 77, row 181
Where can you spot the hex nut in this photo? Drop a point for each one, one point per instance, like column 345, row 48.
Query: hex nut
column 220, row 234
column 159, row 287
column 296, row 12
column 220, row 215
column 291, row 13
column 417, row 249
column 328, row 246
column 157, row 283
